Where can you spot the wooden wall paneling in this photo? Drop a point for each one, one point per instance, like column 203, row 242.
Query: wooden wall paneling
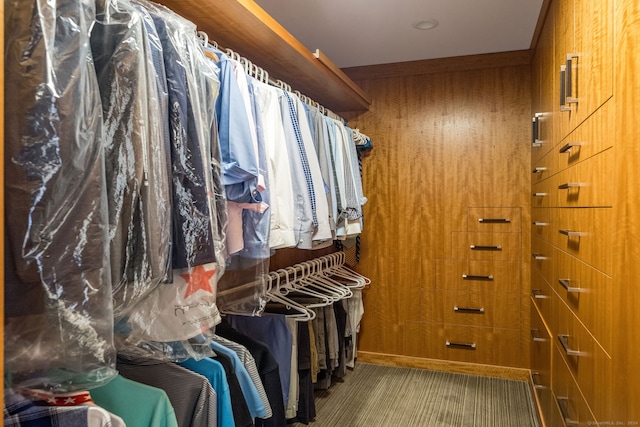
column 290, row 256
column 626, row 238
column 440, row 65
column 443, row 142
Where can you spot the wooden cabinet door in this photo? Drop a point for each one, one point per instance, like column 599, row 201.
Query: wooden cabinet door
column 584, row 48
column 593, row 68
column 544, row 68
column 564, row 40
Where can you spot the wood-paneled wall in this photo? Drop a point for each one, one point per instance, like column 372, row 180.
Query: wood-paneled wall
column 443, row 142
column 626, row 238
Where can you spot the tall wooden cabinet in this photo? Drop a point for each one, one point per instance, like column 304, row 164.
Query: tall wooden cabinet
column 581, row 221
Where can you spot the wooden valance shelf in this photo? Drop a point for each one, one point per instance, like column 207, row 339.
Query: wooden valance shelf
column 243, row 26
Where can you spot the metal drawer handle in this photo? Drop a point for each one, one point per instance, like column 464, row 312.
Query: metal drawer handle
column 568, row 185
column 569, row 99
column 494, row 220
column 539, row 169
column 567, row 147
column 538, row 256
column 565, row 413
column 466, row 346
column 472, row 277
column 563, row 89
column 471, row 310
column 564, row 342
column 537, row 294
column 485, row 248
column 540, row 224
column 570, row 233
column 540, row 194
column 536, row 384
column 566, row 283
column 535, row 130
column 535, row 336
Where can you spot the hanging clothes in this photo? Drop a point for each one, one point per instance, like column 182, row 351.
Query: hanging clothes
column 191, row 394
column 59, row 313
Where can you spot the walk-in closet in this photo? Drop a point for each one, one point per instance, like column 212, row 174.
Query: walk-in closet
column 241, row 213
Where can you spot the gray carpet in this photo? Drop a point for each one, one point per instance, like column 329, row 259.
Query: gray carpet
column 380, row 396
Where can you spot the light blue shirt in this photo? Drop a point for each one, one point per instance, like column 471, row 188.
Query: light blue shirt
column 214, row 372
column 249, row 390
column 239, row 164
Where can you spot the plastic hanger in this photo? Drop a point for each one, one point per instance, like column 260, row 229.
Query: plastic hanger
column 276, row 295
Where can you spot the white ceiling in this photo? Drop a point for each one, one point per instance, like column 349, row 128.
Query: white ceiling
column 366, row 32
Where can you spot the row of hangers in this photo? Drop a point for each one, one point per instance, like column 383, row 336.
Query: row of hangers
column 262, row 75
column 313, row 284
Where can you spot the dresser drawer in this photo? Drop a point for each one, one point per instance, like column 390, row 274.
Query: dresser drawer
column 488, row 309
column 545, row 167
column 495, row 220
column 542, row 258
column 590, row 138
column 486, row 246
column 490, row 346
column 586, row 361
column 586, row 184
column 588, row 293
column 541, row 363
column 543, row 194
column 543, row 297
column 573, row 409
column 470, row 275
column 585, row 234
column 472, row 308
column 542, row 225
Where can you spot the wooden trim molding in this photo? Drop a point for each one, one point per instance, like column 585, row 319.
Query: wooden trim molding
column 541, row 20
column 440, row 65
column 502, row 372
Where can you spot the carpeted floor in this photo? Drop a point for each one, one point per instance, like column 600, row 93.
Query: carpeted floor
column 380, row 396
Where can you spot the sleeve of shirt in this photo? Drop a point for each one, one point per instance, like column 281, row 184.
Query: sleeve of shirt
column 239, row 165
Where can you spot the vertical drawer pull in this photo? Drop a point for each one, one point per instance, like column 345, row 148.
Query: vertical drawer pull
column 537, row 294
column 471, row 346
column 538, row 256
column 535, row 130
column 535, row 336
column 536, row 384
column 566, row 283
column 473, row 277
column 568, row 185
column 494, row 220
column 540, row 223
column 569, row 98
column 563, row 89
column 539, row 169
column 540, row 194
column 570, row 233
column 564, row 342
column 471, row 310
column 485, row 248
column 562, row 404
column 567, row 147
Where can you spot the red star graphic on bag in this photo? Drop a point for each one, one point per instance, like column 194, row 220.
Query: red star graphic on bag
column 197, row 280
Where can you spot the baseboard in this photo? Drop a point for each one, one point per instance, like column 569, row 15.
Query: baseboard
column 493, row 371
